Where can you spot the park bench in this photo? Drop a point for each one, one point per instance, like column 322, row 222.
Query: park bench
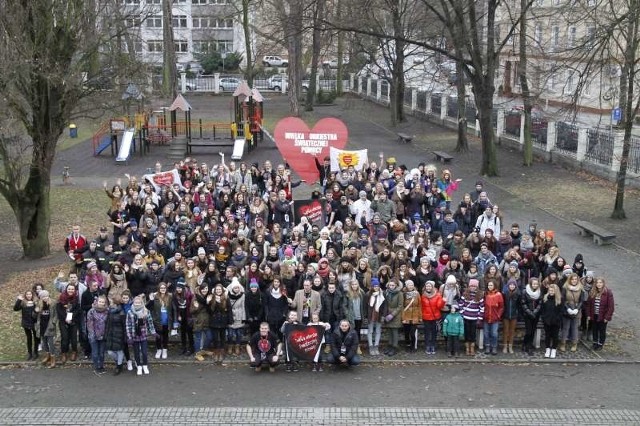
column 404, row 138
column 600, row 236
column 442, row 156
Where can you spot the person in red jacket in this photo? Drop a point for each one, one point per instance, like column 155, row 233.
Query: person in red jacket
column 493, row 310
column 432, row 304
column 600, row 308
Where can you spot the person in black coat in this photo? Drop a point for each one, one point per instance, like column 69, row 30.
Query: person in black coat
column 220, row 317
column 26, row 304
column 254, row 307
column 276, row 307
column 115, row 335
column 345, row 346
column 551, row 314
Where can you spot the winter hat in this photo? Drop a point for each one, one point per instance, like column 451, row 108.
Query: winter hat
column 201, row 250
column 196, row 210
column 566, row 271
column 253, row 283
column 375, row 282
column 133, row 222
column 474, row 281
column 362, row 193
column 590, row 274
column 364, row 232
column 43, row 294
column 551, row 270
column 514, row 263
column 512, row 281
column 91, row 264
column 288, row 252
column 352, row 244
column 450, row 280
column 180, row 282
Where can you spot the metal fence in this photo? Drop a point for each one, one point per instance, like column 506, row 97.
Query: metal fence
column 599, row 146
column 634, row 155
column 408, row 96
column 567, row 138
column 452, row 107
column 436, row 104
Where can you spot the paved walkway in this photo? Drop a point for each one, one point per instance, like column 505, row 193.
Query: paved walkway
column 310, row 415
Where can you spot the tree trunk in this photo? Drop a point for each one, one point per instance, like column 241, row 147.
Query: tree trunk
column 169, row 80
column 462, row 144
column 34, row 217
column 340, row 71
column 315, row 54
column 527, row 152
column 396, row 96
column 248, row 72
column 484, row 103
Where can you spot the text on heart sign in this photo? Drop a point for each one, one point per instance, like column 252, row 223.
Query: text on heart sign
column 313, row 144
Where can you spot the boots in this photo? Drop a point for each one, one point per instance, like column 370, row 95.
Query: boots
column 472, row 349
column 327, row 349
column 563, row 346
column 74, row 356
column 118, row 370
column 574, row 346
column 46, row 359
column 510, row 348
column 52, row 361
column 230, row 350
column 505, row 348
column 467, row 348
column 359, row 351
column 237, row 350
column 63, row 359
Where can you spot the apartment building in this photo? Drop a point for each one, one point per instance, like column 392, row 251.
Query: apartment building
column 199, row 26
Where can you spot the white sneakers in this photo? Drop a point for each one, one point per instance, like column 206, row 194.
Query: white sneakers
column 164, row 354
column 553, row 353
column 130, row 365
column 139, row 372
column 158, row 353
column 145, row 369
column 547, row 353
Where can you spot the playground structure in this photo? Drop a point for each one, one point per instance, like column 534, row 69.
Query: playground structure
column 174, row 126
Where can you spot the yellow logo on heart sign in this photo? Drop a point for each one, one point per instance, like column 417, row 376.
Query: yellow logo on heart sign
column 346, row 159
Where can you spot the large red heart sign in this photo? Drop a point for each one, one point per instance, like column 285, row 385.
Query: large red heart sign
column 304, row 342
column 298, row 145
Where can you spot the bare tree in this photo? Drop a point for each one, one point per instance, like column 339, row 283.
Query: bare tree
column 318, row 12
column 170, row 78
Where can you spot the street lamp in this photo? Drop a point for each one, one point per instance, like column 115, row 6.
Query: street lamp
column 223, row 55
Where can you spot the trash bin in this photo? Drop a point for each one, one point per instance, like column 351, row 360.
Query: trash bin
column 73, row 131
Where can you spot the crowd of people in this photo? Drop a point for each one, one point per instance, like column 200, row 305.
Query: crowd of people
column 218, row 260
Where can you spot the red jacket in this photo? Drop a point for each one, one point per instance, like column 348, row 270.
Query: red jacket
column 606, row 306
column 493, row 306
column 432, row 307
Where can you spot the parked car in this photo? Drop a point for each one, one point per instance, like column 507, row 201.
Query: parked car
column 191, row 85
column 229, row 84
column 274, row 61
column 275, row 83
column 333, row 63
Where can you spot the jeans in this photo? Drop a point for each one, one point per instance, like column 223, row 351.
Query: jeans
column 354, row 360
column 430, row 331
column 570, row 328
column 411, row 336
column 374, row 326
column 453, row 345
column 491, row 335
column 68, row 337
column 32, row 341
column 202, row 339
column 599, row 331
column 530, row 325
column 235, row 336
column 97, row 353
column 551, row 336
column 48, row 345
column 140, row 352
column 118, row 356
column 470, row 330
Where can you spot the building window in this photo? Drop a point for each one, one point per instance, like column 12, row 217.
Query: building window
column 154, row 1
column 537, row 34
column 539, row 3
column 181, row 46
column 203, row 46
column 154, row 46
column 219, row 2
column 131, row 1
column 154, row 21
column 591, row 37
column 179, row 21
column 555, row 38
column 198, row 1
column 571, row 38
column 132, row 22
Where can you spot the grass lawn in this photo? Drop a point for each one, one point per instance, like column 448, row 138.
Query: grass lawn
column 69, row 205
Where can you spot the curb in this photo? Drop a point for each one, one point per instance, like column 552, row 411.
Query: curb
column 234, row 362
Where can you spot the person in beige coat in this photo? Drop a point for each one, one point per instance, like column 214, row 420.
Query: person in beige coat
column 306, row 302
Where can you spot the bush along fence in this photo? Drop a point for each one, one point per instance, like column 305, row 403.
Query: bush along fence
column 597, row 150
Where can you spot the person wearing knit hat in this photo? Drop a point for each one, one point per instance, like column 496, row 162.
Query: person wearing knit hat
column 288, row 252
column 451, row 280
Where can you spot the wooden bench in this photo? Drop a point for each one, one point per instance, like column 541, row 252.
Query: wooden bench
column 442, row 156
column 404, row 138
column 600, row 236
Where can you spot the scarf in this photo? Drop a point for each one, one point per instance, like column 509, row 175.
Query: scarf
column 376, row 300
column 411, row 294
column 275, row 293
column 66, row 298
column 535, row 295
column 140, row 312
